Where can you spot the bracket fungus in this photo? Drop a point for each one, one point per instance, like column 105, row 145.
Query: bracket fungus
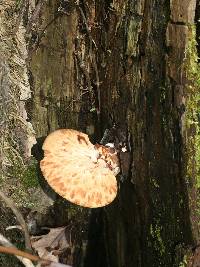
column 79, row 171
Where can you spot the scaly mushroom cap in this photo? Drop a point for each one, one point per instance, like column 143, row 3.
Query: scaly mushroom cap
column 75, row 169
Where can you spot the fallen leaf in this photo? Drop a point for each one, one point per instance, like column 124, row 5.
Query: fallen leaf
column 51, row 245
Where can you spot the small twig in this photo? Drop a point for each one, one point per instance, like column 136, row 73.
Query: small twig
column 6, row 243
column 92, row 59
column 106, row 137
column 17, row 252
column 9, row 202
column 97, row 83
column 13, row 227
column 84, row 70
column 86, row 25
column 41, row 34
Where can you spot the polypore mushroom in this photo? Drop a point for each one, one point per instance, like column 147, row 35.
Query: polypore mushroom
column 79, row 171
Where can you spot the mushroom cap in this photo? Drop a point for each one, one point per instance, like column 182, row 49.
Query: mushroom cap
column 74, row 168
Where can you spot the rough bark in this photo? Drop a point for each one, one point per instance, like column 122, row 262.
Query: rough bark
column 146, row 91
column 125, row 61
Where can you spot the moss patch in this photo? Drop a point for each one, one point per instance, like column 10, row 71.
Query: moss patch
column 26, row 174
column 21, row 181
column 155, row 231
column 193, row 108
column 29, row 175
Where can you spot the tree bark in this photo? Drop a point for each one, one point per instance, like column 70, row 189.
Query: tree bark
column 94, row 64
column 126, row 62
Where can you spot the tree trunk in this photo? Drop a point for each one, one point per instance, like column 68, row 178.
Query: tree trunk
column 95, row 64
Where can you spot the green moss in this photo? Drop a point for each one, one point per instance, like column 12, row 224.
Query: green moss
column 21, row 181
column 29, row 176
column 18, row 4
column 154, row 182
column 193, row 109
column 192, row 126
column 155, row 231
column 183, row 263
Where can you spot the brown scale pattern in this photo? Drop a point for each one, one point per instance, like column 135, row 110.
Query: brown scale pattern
column 79, row 171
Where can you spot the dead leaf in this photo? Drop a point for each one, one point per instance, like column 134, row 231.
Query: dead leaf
column 51, row 245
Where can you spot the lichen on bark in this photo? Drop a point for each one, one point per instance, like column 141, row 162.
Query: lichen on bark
column 192, row 129
column 17, row 134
